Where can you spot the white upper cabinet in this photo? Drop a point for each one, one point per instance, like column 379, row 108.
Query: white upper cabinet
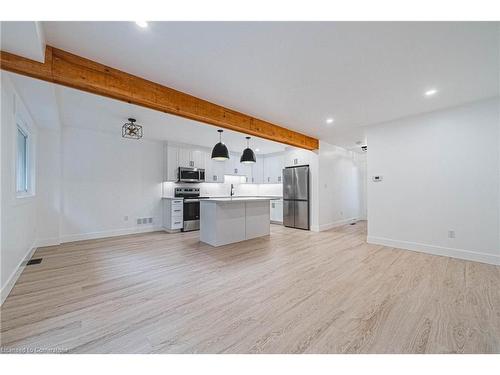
column 172, row 162
column 295, row 157
column 178, row 155
column 191, row 157
column 214, row 170
column 184, row 157
column 273, row 169
column 266, row 170
column 233, row 165
column 258, row 170
column 198, row 157
column 246, row 170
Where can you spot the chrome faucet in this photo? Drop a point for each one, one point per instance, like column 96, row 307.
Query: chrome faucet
column 232, row 190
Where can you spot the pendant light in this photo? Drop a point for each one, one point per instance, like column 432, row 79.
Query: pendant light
column 248, row 155
column 220, row 151
column 132, row 130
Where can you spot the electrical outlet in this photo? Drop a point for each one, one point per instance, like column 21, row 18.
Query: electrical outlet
column 451, row 234
column 144, row 220
column 150, row 220
column 139, row 221
column 125, row 218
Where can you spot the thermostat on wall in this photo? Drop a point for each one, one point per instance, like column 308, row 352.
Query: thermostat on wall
column 377, row 178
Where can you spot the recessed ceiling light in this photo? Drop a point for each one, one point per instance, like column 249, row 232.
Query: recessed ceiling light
column 142, row 24
column 257, row 150
column 329, row 120
column 431, row 92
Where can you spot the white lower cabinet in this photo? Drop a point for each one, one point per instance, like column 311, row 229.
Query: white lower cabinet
column 276, row 211
column 172, row 214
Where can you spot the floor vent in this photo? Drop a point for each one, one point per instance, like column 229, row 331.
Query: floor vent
column 353, row 224
column 34, row 261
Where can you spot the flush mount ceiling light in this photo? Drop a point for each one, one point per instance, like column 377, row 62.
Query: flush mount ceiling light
column 131, row 129
column 220, row 151
column 248, row 155
column 142, row 24
column 329, row 120
column 431, row 92
column 257, row 150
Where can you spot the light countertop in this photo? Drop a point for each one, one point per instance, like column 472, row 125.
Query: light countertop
column 237, row 199
column 264, row 197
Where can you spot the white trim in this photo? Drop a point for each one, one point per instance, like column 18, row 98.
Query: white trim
column 11, row 281
column 53, row 241
column 336, row 224
column 109, row 233
column 30, row 133
column 437, row 250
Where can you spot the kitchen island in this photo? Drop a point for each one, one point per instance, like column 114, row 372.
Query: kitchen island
column 228, row 220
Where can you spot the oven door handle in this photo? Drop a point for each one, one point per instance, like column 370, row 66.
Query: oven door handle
column 191, row 200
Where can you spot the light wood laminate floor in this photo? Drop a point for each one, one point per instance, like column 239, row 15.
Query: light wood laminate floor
column 291, row 292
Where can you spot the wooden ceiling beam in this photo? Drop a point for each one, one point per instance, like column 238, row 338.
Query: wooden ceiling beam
column 70, row 70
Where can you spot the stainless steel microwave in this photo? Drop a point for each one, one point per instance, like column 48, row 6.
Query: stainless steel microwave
column 191, row 175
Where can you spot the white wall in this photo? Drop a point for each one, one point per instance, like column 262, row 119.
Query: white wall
column 440, row 172
column 19, row 215
column 341, row 186
column 49, row 186
column 106, row 178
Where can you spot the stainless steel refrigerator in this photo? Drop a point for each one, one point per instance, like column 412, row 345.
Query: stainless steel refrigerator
column 296, row 197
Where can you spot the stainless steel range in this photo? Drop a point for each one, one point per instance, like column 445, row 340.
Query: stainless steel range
column 191, row 207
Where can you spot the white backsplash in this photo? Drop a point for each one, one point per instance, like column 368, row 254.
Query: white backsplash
column 222, row 190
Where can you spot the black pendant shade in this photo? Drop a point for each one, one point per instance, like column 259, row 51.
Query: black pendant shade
column 220, row 151
column 248, row 155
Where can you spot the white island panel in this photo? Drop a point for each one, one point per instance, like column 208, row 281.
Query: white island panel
column 224, row 221
column 257, row 219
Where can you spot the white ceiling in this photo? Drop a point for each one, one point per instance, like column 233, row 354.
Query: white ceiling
column 52, row 104
column 297, row 74
column 24, row 38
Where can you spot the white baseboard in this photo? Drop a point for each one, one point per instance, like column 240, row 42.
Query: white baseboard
column 109, row 233
column 11, row 281
column 337, row 223
column 48, row 242
column 437, row 250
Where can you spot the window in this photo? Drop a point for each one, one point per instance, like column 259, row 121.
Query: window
column 22, row 167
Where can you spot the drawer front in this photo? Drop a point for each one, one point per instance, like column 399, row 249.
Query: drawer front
column 176, row 223
column 176, row 202
column 175, row 211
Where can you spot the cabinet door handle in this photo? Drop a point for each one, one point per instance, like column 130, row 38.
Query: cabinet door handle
column 177, row 210
column 177, row 222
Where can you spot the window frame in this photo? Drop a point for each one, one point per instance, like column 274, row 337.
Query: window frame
column 21, row 126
